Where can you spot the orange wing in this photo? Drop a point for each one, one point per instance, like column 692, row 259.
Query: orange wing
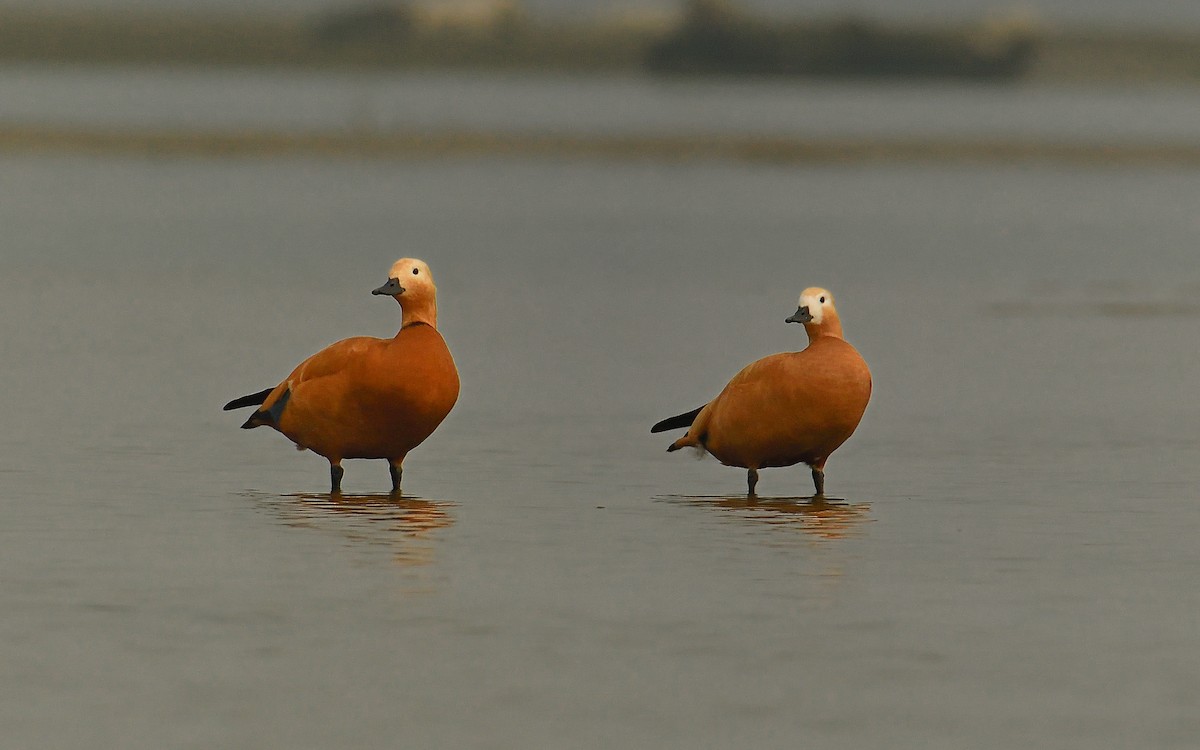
column 332, row 359
column 328, row 362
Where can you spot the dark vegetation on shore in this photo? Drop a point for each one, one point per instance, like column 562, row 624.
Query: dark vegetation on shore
column 715, row 38
column 707, row 37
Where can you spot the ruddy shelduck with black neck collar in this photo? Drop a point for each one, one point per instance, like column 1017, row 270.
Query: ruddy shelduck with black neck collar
column 789, row 408
column 366, row 397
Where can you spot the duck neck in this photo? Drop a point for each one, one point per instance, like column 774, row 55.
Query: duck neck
column 419, row 311
column 829, row 326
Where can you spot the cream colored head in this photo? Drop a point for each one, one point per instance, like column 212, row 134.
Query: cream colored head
column 411, row 284
column 813, row 304
column 816, row 311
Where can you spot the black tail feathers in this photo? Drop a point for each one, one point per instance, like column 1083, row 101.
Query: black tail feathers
column 270, row 416
column 254, row 399
column 680, row 420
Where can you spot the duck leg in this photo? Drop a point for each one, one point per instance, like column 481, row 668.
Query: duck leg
column 818, row 476
column 397, row 471
column 335, row 477
column 752, row 480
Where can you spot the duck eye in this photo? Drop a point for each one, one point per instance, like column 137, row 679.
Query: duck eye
column 415, row 272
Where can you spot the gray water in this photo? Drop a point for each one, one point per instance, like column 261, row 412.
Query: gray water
column 1009, row 559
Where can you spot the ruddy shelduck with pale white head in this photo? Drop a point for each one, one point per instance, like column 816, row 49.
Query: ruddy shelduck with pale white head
column 367, row 397
column 788, row 408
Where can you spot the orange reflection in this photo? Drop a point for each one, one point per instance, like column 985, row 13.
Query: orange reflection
column 822, row 518
column 406, row 524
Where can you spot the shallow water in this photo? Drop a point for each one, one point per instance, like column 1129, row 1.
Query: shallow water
column 1008, row 558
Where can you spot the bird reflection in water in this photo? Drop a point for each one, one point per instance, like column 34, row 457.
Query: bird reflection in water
column 820, row 517
column 405, row 524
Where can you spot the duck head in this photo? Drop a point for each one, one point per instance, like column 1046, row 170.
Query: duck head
column 411, row 284
column 816, row 312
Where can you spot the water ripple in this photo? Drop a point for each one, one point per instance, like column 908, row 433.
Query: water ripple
column 822, row 519
column 407, row 525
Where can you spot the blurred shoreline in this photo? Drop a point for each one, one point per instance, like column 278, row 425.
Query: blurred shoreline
column 707, row 38
column 499, row 35
column 735, row 148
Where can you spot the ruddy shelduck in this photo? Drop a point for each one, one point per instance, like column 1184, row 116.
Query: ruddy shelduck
column 365, row 397
column 788, row 408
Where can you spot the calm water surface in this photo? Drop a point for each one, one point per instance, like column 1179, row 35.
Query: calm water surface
column 1011, row 560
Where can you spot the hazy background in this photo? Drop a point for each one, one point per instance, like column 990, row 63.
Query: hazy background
column 1008, row 555
column 1153, row 13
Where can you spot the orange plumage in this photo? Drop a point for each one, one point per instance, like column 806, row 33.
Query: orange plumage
column 789, row 408
column 367, row 397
